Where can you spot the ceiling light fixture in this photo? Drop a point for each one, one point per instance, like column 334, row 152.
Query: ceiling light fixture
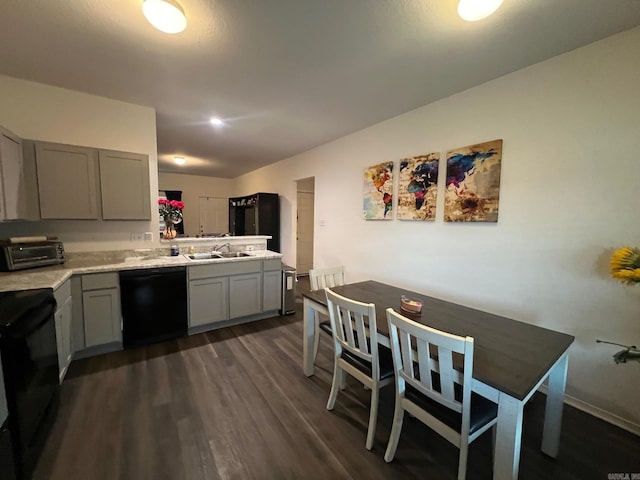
column 166, row 15
column 216, row 122
column 474, row 10
column 179, row 160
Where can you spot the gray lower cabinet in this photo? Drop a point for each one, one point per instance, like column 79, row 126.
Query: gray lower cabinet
column 218, row 292
column 245, row 288
column 208, row 301
column 64, row 329
column 101, row 309
column 230, row 290
column 272, row 285
column 245, row 295
column 208, row 291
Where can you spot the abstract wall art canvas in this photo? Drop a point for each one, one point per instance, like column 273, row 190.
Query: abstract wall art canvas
column 473, row 183
column 418, row 187
column 378, row 192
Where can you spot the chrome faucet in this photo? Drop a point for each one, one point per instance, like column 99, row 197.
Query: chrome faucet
column 218, row 248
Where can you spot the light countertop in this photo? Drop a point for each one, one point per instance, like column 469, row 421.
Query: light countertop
column 53, row 277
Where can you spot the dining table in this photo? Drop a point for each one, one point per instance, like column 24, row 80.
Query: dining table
column 511, row 359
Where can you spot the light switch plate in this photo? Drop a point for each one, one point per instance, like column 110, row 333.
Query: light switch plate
column 148, row 236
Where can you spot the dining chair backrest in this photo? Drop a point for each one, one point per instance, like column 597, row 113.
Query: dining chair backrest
column 354, row 328
column 433, row 362
column 321, row 278
column 433, row 378
column 355, row 348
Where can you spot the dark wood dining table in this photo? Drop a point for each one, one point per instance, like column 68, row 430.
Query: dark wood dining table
column 511, row 359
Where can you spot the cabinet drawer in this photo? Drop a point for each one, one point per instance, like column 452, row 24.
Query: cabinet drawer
column 224, row 269
column 96, row 281
column 272, row 264
column 62, row 293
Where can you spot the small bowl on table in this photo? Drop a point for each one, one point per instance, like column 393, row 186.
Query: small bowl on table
column 410, row 305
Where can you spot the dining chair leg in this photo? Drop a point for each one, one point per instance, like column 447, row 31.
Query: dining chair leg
column 396, row 428
column 316, row 335
column 494, row 429
column 373, row 416
column 335, row 385
column 462, row 462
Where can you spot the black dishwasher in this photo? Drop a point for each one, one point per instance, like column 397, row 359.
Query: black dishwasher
column 154, row 305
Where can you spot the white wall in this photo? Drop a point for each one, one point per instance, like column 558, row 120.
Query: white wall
column 42, row 112
column 570, row 194
column 193, row 187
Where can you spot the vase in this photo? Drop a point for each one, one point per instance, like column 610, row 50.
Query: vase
column 169, row 231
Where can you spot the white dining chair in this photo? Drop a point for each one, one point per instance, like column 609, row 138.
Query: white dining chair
column 356, row 352
column 319, row 279
column 433, row 372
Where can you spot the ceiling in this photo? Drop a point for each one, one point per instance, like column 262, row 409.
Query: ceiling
column 285, row 75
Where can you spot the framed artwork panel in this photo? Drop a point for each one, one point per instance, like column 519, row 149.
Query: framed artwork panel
column 378, row 192
column 418, row 187
column 472, row 190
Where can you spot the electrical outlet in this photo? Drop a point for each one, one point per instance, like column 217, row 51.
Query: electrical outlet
column 250, row 248
column 148, row 236
column 137, row 237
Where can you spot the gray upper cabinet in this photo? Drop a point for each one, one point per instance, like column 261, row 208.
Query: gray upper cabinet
column 124, row 184
column 18, row 191
column 83, row 183
column 67, row 181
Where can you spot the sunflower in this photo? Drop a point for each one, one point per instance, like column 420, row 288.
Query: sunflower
column 625, row 265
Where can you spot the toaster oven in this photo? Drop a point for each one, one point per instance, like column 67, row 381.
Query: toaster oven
column 18, row 256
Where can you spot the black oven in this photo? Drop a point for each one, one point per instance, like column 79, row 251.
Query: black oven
column 30, row 366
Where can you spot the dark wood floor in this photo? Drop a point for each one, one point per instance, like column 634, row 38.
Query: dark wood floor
column 234, row 404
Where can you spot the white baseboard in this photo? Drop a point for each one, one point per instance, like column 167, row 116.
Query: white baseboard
column 598, row 413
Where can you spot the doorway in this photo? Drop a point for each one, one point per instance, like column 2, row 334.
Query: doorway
column 213, row 213
column 304, row 225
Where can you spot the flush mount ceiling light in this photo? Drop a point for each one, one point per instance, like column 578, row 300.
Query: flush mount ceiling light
column 216, row 122
column 179, row 160
column 166, row 15
column 474, row 10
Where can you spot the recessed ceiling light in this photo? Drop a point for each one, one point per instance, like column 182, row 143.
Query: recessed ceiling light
column 216, row 122
column 179, row 160
column 166, row 15
column 474, row 10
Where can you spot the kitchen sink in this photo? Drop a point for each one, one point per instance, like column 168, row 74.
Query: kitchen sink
column 232, row 254
column 213, row 255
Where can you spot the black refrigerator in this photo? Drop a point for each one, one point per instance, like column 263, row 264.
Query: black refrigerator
column 257, row 214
